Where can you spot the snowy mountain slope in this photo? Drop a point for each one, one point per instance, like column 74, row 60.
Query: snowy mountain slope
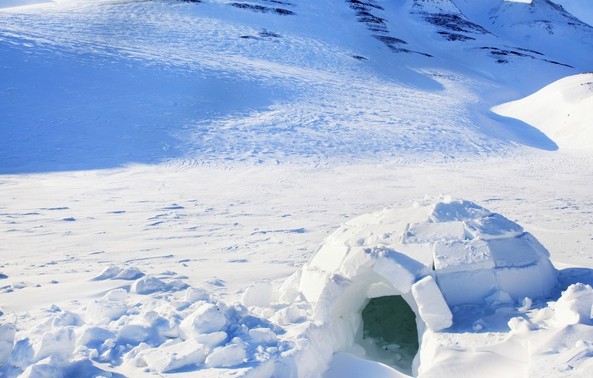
column 271, row 55
column 581, row 9
column 539, row 25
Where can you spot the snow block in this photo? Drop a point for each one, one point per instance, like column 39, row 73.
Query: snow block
column 456, row 256
column 512, row 252
column 359, row 260
column 208, row 318
column 467, row 287
column 533, row 281
column 432, row 307
column 431, row 232
column 329, row 257
column 312, row 283
column 174, row 356
column 457, row 210
column 259, row 294
column 493, row 226
column 536, row 245
column 227, row 356
column 400, row 270
column 147, row 285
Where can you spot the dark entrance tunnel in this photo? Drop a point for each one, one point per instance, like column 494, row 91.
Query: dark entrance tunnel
column 390, row 334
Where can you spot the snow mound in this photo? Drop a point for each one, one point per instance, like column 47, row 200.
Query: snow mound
column 561, row 110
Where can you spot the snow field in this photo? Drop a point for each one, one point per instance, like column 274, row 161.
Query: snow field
column 255, row 136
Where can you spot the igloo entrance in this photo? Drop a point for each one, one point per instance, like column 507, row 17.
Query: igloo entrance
column 390, row 333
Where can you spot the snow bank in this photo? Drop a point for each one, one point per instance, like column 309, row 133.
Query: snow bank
column 561, row 110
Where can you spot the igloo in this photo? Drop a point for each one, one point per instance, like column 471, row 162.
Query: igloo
column 397, row 272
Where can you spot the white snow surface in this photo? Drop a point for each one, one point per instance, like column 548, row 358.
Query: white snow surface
column 168, row 170
column 561, row 110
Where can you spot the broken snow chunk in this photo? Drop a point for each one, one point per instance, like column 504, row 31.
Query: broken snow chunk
column 521, row 325
column 193, row 295
column 167, row 328
column 513, row 252
column 400, row 270
column 116, row 295
column 58, row 345
column 457, row 210
column 259, row 294
column 129, row 274
column 464, row 255
column 22, row 354
column 227, row 356
column 494, row 226
column 467, row 287
column 211, row 339
column 575, row 305
column 147, row 285
column 499, row 298
column 112, row 306
column 7, row 333
column 289, row 315
column 175, row 356
column 262, row 335
column 94, row 337
column 207, row 318
column 42, row 369
column 66, row 318
column 133, row 334
column 107, row 273
column 432, row 232
column 431, row 305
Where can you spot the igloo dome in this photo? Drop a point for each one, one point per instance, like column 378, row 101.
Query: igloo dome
column 411, row 265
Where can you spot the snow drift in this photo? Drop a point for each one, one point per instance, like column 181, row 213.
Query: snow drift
column 561, row 110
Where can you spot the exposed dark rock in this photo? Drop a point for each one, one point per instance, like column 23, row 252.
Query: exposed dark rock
column 456, row 36
column 262, row 9
column 454, row 22
column 390, row 40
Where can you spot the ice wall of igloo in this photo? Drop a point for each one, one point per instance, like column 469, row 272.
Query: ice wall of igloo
column 425, row 253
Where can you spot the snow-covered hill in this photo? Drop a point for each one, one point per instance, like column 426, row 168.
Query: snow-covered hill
column 167, row 167
column 562, row 110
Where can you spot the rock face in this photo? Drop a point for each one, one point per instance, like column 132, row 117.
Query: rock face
column 434, row 254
